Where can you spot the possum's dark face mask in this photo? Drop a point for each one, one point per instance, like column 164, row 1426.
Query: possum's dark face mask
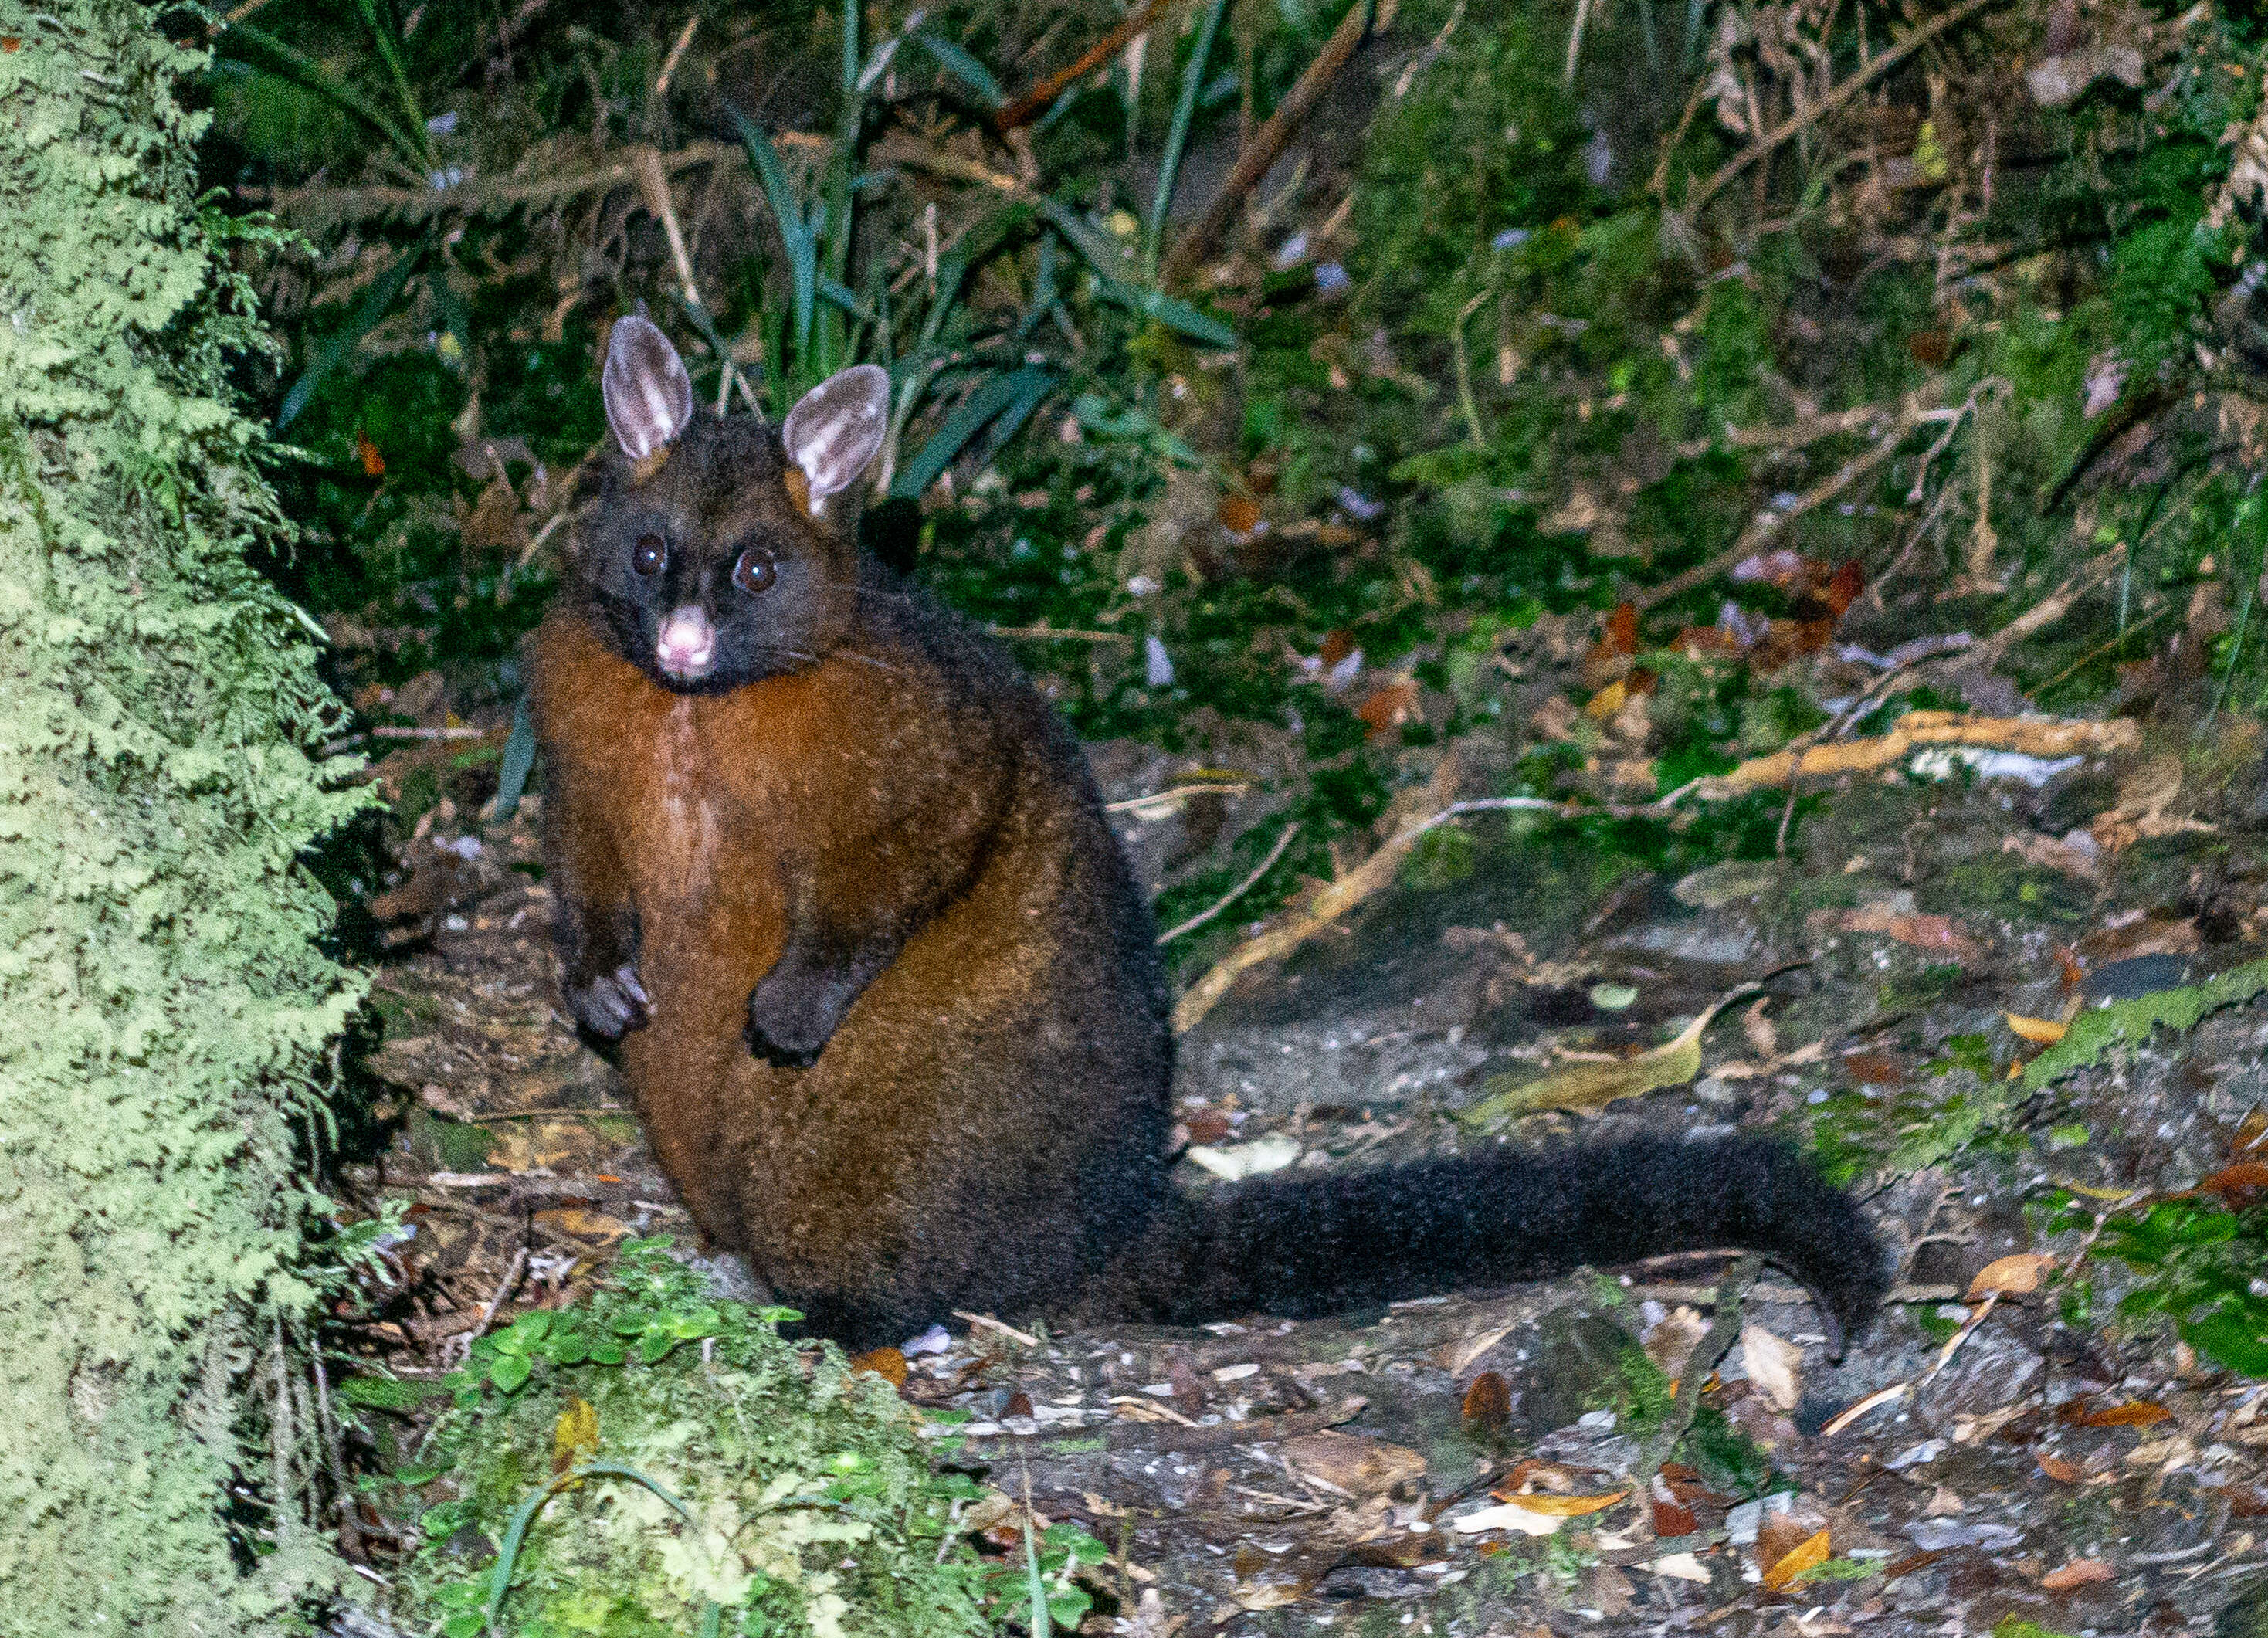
column 720, row 553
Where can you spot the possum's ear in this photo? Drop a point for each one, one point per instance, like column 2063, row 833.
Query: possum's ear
column 649, row 395
column 836, row 429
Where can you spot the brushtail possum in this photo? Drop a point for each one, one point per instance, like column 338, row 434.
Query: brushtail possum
column 838, row 881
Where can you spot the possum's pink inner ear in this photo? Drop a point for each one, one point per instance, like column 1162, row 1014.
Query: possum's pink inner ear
column 649, row 395
column 836, row 429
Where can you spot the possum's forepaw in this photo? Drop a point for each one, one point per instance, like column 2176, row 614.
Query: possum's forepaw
column 794, row 1011
column 610, row 1004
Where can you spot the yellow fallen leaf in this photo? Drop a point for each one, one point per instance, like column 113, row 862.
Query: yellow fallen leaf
column 1505, row 1516
column 1609, row 700
column 1590, row 1086
column 1566, row 1507
column 2012, row 1276
column 575, row 1434
column 2039, row 1031
column 1810, row 1552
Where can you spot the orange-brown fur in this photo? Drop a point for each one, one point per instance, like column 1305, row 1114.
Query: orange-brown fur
column 877, row 784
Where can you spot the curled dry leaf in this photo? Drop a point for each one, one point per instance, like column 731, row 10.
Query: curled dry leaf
column 1775, row 1366
column 2039, row 1031
column 2010, row 1276
column 887, row 1363
column 2077, row 1573
column 2062, row 1471
column 1809, row 1554
column 1508, row 1516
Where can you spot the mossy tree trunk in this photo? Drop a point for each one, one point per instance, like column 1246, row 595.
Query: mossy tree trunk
column 164, row 1007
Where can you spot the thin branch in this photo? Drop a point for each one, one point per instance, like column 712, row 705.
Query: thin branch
column 1023, row 110
column 1267, row 146
column 1236, row 892
column 1771, row 523
column 1832, row 103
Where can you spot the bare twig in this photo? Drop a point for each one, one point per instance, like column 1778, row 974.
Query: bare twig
column 1849, row 472
column 676, row 53
column 988, row 1323
column 2049, row 609
column 1069, row 633
column 1267, row 146
column 1832, row 103
column 1236, row 892
column 350, row 1542
column 1715, row 1344
column 1023, row 110
column 488, row 1315
column 1334, row 898
column 1575, row 38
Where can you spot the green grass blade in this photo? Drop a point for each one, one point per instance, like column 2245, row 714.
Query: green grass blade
column 1043, row 1624
column 262, row 50
column 966, row 69
column 1121, row 285
column 799, row 234
column 1177, row 136
column 375, row 305
column 519, row 762
column 993, row 396
column 382, row 36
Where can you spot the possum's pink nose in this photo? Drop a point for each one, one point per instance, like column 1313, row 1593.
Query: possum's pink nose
column 687, row 644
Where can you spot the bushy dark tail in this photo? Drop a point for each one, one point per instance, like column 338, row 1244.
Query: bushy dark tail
column 1300, row 1247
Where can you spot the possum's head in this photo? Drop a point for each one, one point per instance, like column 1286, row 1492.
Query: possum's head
column 722, row 551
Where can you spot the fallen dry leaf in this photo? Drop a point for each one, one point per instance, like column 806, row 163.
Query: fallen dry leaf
column 2039, row 1031
column 1351, row 1463
column 1239, row 514
column 1811, row 1553
column 1673, row 1518
column 1584, row 1087
column 1389, row 707
column 2010, row 1276
column 1236, row 1161
column 1679, row 1567
column 1935, row 935
column 1759, row 1028
column 582, row 1225
column 2078, row 1573
column 1488, row 1403
column 1507, row 1516
column 887, row 1363
column 2056, row 1468
column 2240, row 1186
column 1775, row 1365
column 2132, row 1414
column 574, row 1435
column 1874, row 1070
column 1563, row 1507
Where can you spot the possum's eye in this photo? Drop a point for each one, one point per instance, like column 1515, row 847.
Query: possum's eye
column 757, row 570
column 649, row 555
